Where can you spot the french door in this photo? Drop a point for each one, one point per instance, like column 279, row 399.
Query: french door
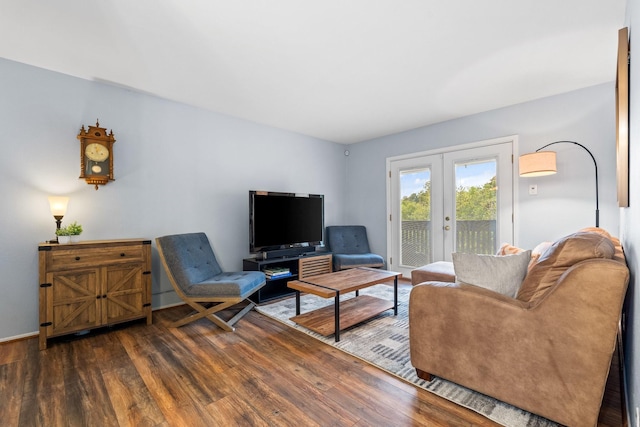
column 455, row 201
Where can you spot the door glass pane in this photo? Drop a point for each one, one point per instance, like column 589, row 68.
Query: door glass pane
column 415, row 192
column 476, row 206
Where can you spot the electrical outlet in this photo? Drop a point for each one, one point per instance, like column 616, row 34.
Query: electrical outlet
column 533, row 189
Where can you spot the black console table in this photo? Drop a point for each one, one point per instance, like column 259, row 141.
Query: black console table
column 277, row 287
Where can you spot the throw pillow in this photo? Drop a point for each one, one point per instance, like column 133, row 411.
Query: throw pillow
column 537, row 252
column 508, row 249
column 502, row 274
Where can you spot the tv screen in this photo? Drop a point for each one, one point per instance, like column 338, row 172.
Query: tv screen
column 284, row 220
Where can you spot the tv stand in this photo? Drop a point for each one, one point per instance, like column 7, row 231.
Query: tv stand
column 320, row 262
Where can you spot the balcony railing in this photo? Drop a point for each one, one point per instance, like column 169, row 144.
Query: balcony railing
column 477, row 237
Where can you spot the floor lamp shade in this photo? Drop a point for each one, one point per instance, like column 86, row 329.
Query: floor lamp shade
column 539, row 163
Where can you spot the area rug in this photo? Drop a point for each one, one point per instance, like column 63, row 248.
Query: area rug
column 384, row 342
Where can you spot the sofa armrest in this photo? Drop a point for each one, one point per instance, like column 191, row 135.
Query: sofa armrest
column 551, row 358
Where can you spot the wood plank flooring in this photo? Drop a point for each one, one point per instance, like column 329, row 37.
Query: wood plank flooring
column 264, row 374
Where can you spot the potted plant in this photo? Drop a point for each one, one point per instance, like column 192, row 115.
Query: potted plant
column 74, row 229
column 63, row 235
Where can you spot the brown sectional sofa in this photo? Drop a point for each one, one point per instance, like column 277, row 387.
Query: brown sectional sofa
column 548, row 350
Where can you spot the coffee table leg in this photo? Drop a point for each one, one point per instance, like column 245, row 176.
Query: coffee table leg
column 297, row 303
column 395, row 296
column 337, row 314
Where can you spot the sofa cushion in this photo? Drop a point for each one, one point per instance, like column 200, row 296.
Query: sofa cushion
column 345, row 261
column 229, row 284
column 559, row 257
column 347, row 239
column 502, row 274
column 190, row 257
column 618, row 254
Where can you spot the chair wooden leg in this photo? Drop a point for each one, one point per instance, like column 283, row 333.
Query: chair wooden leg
column 221, row 323
column 241, row 313
column 202, row 311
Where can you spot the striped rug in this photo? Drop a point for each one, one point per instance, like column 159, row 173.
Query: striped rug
column 384, row 342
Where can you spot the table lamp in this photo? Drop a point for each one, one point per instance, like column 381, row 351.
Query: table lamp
column 58, row 206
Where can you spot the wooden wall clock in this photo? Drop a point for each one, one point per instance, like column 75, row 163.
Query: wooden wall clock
column 96, row 155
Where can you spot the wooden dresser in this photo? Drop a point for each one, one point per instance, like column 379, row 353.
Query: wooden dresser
column 92, row 284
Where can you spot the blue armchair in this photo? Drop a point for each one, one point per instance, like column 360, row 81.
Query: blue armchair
column 200, row 282
column 350, row 247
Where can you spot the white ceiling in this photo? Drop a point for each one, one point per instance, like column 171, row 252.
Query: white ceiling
column 340, row 70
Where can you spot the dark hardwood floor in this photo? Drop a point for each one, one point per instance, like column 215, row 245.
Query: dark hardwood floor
column 264, row 374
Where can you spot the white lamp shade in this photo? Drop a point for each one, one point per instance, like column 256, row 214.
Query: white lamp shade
column 539, row 163
column 58, row 205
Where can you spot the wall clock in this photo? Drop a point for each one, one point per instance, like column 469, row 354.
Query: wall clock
column 96, row 155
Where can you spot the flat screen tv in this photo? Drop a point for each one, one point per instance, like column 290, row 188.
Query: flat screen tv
column 284, row 220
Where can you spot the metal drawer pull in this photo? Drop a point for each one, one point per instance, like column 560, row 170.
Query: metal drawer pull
column 77, row 258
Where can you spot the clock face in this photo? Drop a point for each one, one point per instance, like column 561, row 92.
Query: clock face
column 97, row 152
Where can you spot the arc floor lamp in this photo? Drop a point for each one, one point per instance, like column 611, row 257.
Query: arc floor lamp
column 542, row 163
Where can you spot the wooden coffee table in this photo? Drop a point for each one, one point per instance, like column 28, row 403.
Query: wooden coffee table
column 329, row 320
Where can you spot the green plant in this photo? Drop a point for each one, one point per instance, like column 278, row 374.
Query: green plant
column 74, row 229
column 62, row 232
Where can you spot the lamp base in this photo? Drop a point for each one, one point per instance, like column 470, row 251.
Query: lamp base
column 58, row 224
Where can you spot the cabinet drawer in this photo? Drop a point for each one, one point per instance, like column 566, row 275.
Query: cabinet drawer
column 72, row 258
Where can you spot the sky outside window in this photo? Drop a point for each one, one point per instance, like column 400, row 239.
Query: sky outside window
column 469, row 175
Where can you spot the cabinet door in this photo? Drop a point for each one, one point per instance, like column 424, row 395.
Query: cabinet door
column 73, row 305
column 125, row 293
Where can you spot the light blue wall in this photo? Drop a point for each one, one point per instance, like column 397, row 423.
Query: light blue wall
column 630, row 222
column 565, row 201
column 177, row 169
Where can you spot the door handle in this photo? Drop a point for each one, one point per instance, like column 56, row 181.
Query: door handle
column 446, row 227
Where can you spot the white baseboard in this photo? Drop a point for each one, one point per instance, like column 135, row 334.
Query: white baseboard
column 169, row 306
column 36, row 333
column 19, row 337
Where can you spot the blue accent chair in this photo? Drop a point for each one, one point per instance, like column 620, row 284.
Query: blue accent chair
column 350, row 247
column 200, row 282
